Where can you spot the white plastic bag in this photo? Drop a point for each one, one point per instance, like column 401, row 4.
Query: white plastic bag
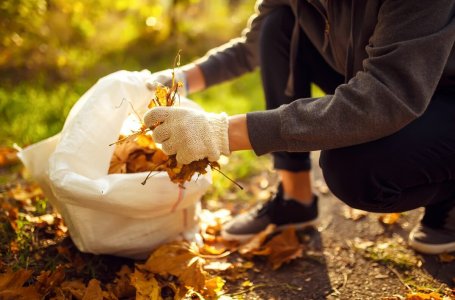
column 110, row 214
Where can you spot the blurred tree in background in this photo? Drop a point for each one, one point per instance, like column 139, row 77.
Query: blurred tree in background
column 52, row 51
column 54, row 40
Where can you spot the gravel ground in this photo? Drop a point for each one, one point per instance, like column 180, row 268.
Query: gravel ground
column 347, row 259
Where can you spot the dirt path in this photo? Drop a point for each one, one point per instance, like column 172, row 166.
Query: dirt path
column 343, row 258
column 348, row 259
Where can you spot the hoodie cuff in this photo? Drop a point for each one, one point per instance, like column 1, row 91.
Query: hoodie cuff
column 264, row 131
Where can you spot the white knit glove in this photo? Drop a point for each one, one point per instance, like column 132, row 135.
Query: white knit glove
column 189, row 133
column 165, row 78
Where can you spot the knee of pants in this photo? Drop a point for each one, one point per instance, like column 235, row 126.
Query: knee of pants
column 358, row 182
column 277, row 25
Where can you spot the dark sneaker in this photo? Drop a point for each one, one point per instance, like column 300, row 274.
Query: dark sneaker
column 282, row 213
column 435, row 238
column 432, row 241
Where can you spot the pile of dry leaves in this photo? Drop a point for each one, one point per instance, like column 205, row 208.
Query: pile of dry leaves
column 35, row 262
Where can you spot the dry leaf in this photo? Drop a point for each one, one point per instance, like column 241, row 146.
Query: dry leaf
column 11, row 286
column 75, row 288
column 93, row 291
column 284, row 248
column 254, row 246
column 423, row 296
column 48, row 280
column 22, row 293
column 389, row 219
column 13, row 280
column 193, row 276
column 180, row 260
column 214, row 286
column 218, row 266
column 146, row 285
column 354, row 214
column 8, row 156
column 446, row 258
column 122, row 287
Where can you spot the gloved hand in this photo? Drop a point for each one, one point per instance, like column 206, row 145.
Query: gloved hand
column 165, row 78
column 189, row 133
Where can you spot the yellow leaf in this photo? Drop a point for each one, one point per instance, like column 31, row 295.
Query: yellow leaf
column 389, row 219
column 193, row 276
column 180, row 260
column 122, row 287
column 247, row 283
column 214, row 286
column 146, row 285
column 423, row 296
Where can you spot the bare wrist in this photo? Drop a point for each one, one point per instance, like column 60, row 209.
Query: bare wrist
column 238, row 133
column 194, row 77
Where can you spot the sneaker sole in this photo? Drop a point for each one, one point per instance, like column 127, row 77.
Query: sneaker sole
column 245, row 237
column 431, row 248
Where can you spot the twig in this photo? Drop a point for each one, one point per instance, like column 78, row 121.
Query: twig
column 148, row 176
column 227, row 177
column 345, row 276
column 126, row 138
column 399, row 277
column 250, row 289
column 150, row 173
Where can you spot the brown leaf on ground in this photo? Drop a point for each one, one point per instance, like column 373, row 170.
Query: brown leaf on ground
column 69, row 289
column 146, row 285
column 8, row 156
column 389, row 219
column 11, row 286
column 255, row 245
column 93, row 291
column 284, row 248
column 122, row 286
column 12, row 280
column 180, row 260
column 22, row 293
column 47, row 280
column 446, row 258
column 193, row 275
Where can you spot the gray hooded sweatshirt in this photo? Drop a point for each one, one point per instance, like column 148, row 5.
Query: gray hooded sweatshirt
column 394, row 54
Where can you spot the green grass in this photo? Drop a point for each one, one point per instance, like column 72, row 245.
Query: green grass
column 31, row 112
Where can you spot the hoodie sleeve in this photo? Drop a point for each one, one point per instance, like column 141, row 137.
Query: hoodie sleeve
column 407, row 54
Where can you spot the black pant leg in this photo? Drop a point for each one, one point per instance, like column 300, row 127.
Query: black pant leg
column 275, row 39
column 414, row 167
